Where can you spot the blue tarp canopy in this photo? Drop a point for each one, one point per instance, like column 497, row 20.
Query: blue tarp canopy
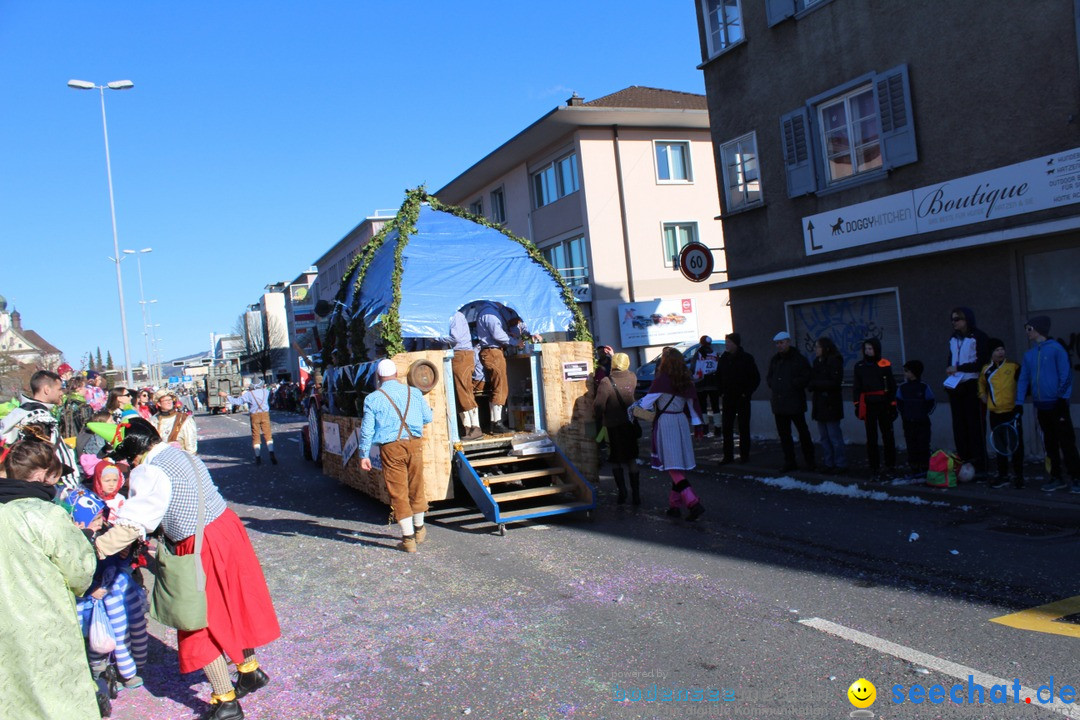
column 449, row 262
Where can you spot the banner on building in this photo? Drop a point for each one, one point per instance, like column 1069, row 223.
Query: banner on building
column 1025, row 187
column 661, row 321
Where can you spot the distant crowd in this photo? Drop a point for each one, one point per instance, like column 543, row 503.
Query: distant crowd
column 710, row 393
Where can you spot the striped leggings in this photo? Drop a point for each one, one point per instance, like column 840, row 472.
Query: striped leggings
column 125, row 608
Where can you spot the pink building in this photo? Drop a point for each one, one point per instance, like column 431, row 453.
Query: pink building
column 611, row 190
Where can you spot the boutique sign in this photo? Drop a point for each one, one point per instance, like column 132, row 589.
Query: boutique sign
column 1029, row 186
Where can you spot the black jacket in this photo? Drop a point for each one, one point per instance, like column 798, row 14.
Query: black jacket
column 826, row 380
column 875, row 377
column 737, row 374
column 788, row 378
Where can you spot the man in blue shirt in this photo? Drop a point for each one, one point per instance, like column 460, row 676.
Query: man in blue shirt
column 1047, row 373
column 463, row 363
column 394, row 419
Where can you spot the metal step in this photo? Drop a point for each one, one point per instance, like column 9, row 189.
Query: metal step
column 487, row 461
column 523, row 475
column 547, row 510
column 512, row 495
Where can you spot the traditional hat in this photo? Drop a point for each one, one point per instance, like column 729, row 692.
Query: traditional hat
column 165, row 392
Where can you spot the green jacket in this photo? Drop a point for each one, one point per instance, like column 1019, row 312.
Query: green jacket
column 44, row 562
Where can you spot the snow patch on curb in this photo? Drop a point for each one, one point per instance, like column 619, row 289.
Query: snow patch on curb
column 833, row 488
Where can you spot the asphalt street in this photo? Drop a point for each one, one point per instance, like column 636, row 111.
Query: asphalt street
column 771, row 605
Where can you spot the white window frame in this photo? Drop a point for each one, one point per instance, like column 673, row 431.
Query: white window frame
column 557, row 188
column 574, row 276
column 724, row 29
column 735, row 178
column 673, row 260
column 667, row 144
column 853, row 147
column 498, row 207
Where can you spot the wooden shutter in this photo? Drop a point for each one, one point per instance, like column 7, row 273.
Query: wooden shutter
column 897, row 118
column 798, row 152
column 779, row 10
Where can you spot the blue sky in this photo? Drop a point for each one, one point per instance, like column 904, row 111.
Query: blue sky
column 259, row 133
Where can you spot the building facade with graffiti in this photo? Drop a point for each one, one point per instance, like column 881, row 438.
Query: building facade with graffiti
column 880, row 164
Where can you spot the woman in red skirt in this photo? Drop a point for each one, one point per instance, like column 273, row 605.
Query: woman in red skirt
column 240, row 615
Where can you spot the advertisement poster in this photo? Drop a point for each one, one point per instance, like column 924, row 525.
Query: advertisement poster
column 658, row 322
column 331, row 438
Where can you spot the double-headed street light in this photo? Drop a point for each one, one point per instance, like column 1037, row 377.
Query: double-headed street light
column 115, row 85
column 142, row 302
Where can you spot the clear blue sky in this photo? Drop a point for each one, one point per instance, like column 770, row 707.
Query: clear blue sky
column 259, row 133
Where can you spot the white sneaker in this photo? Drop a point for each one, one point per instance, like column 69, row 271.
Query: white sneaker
column 710, row 434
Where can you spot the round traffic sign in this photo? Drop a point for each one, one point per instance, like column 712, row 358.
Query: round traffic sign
column 696, row 262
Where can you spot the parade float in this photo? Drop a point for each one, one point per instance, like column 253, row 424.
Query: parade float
column 396, row 301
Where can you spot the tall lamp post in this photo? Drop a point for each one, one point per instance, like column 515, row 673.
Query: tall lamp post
column 115, row 85
column 142, row 302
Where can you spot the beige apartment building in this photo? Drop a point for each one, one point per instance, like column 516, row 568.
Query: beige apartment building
column 611, row 190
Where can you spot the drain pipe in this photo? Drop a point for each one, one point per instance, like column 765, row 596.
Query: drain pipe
column 625, row 224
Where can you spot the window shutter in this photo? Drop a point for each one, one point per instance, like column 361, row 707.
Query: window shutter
column 779, row 10
column 897, row 118
column 798, row 152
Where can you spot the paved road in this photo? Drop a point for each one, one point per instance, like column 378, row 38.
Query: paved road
column 755, row 603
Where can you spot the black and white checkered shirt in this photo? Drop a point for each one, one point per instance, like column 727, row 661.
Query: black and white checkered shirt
column 182, row 516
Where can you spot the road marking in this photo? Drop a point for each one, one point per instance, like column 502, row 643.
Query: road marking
column 1043, row 618
column 932, row 662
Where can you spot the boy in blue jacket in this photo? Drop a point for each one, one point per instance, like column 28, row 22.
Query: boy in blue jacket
column 1047, row 374
column 914, row 403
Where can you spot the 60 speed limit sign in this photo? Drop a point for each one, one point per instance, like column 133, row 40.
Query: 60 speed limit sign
column 696, row 262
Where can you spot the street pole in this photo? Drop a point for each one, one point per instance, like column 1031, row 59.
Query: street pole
column 142, row 303
column 116, row 85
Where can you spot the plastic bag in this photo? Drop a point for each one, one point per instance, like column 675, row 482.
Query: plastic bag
column 101, row 634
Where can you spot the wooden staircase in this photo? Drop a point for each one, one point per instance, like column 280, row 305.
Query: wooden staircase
column 512, row 488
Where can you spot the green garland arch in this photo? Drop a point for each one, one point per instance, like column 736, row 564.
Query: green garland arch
column 405, row 223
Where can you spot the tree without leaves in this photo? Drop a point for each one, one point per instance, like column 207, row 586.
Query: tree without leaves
column 264, row 343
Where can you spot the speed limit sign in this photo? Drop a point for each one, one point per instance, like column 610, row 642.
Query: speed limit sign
column 696, row 262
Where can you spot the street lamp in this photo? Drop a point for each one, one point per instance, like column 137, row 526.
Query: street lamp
column 115, row 85
column 155, row 343
column 142, row 300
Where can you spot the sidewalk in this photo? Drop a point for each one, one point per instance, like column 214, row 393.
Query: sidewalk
column 766, row 459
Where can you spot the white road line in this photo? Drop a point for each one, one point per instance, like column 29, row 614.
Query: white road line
column 931, row 662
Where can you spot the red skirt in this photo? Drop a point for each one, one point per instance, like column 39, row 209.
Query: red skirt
column 239, row 611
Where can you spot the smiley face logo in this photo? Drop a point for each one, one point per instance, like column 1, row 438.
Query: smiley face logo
column 862, row 693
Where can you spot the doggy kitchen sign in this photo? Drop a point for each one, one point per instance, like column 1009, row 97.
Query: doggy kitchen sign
column 1029, row 186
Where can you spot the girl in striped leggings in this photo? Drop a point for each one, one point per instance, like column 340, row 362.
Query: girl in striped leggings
column 124, row 600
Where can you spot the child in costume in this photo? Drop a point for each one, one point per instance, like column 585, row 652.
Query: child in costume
column 107, row 481
column 125, row 601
